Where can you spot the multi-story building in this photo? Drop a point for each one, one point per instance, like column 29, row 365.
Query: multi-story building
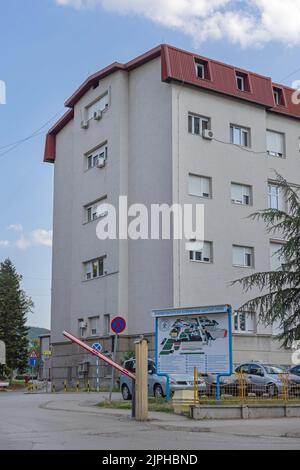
column 167, row 127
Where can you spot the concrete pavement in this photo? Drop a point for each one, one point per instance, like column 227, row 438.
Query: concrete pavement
column 72, row 422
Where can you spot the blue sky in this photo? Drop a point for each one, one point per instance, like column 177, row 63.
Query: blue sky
column 47, row 50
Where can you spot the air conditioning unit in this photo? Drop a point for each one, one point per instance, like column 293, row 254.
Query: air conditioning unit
column 83, row 325
column 101, row 162
column 208, row 134
column 97, row 115
column 84, row 124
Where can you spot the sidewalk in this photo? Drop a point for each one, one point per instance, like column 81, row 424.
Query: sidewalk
column 280, row 428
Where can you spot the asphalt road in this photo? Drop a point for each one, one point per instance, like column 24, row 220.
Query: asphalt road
column 72, row 422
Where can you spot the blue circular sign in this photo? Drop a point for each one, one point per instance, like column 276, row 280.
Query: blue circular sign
column 98, row 347
column 118, row 325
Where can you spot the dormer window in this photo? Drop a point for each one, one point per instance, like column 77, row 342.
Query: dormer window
column 242, row 82
column 278, row 96
column 202, row 70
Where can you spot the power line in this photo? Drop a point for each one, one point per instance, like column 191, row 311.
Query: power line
column 36, row 133
column 290, row 75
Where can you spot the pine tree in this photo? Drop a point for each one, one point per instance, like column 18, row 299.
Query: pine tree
column 14, row 307
column 279, row 299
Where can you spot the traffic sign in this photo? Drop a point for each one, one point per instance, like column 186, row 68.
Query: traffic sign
column 98, row 347
column 33, row 355
column 33, row 361
column 118, row 325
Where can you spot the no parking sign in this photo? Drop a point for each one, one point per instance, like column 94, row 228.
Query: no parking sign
column 118, row 325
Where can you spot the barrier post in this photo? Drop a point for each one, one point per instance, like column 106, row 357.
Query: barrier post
column 141, row 350
column 133, row 408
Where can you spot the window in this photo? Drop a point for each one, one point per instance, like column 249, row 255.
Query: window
column 98, row 157
column 240, row 136
column 275, row 144
column 276, row 261
column 94, row 269
column 244, row 369
column 81, row 327
column 202, row 70
column 93, row 211
column 244, row 322
column 256, row 370
column 204, row 255
column 94, row 326
column 98, row 106
column 278, row 96
column 242, row 81
column 107, row 324
column 276, row 198
column 243, row 256
column 241, row 194
column 198, row 124
column 200, row 186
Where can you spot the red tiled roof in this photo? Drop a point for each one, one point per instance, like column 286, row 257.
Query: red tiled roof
column 179, row 65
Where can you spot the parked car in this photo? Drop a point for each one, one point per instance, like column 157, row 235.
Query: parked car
column 295, row 370
column 259, row 379
column 267, row 378
column 4, row 383
column 157, row 386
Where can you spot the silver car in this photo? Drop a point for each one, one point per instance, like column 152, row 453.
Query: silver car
column 268, row 378
column 157, row 386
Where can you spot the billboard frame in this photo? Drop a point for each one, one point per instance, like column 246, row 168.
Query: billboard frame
column 208, row 310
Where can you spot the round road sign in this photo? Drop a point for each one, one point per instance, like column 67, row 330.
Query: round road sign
column 118, row 325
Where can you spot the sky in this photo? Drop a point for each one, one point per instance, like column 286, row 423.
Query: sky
column 48, row 47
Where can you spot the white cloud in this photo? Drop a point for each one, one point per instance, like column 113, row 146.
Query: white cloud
column 41, row 237
column 247, row 22
column 16, row 227
column 38, row 237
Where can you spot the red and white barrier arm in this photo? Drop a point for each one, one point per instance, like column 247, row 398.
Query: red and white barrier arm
column 99, row 355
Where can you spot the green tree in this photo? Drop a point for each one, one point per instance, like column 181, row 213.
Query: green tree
column 279, row 299
column 14, row 307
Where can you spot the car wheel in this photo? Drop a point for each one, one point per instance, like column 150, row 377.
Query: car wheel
column 272, row 391
column 126, row 393
column 158, row 391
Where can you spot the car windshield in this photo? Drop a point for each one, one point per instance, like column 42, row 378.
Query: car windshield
column 273, row 370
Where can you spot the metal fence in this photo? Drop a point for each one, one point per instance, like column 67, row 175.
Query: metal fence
column 242, row 387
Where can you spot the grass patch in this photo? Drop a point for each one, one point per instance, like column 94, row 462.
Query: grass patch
column 161, row 405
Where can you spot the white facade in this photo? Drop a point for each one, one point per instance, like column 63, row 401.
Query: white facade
column 154, row 155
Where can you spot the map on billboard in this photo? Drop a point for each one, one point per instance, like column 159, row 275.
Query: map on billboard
column 193, row 339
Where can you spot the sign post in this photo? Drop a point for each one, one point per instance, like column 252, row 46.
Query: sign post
column 98, row 347
column 118, row 326
column 32, row 363
column 200, row 337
